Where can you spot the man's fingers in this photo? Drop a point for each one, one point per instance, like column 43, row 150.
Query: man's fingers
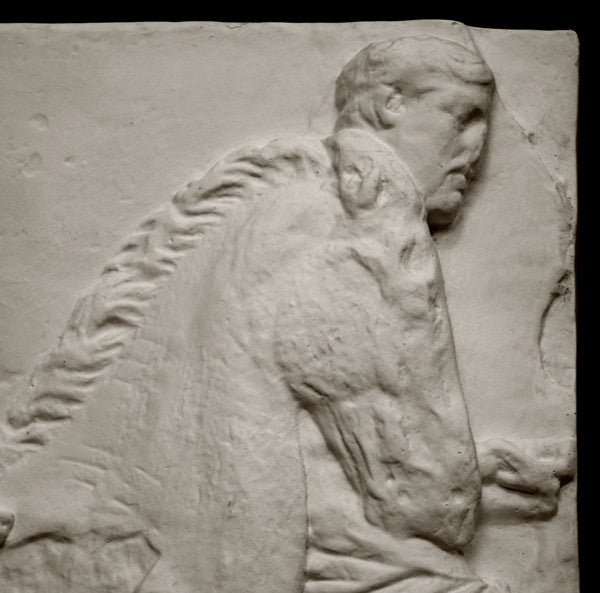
column 508, row 505
column 519, row 471
column 533, row 483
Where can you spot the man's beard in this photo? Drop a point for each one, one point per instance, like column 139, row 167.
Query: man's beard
column 444, row 204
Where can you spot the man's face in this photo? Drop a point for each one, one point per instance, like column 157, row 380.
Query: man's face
column 440, row 135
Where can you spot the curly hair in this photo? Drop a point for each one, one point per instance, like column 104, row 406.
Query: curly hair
column 401, row 65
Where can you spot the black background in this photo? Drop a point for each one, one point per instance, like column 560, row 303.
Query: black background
column 499, row 15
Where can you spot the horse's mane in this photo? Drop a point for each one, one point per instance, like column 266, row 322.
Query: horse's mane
column 109, row 317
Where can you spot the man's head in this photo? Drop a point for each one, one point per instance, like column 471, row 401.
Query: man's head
column 428, row 99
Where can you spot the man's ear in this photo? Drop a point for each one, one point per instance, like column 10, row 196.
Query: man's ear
column 389, row 104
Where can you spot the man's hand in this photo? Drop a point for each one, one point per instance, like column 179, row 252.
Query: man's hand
column 524, row 481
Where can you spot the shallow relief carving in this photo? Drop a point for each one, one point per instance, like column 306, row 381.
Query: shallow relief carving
column 261, row 392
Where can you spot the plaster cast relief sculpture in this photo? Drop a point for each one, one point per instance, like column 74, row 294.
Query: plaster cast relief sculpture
column 279, row 331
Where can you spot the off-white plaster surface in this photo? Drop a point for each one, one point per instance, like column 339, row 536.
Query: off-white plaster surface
column 102, row 124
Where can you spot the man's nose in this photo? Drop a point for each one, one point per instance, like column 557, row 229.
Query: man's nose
column 472, row 141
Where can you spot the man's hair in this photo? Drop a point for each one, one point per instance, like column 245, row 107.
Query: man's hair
column 399, row 64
